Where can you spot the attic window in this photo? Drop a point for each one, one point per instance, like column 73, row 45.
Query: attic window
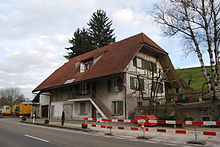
column 69, row 81
column 82, row 68
column 85, row 65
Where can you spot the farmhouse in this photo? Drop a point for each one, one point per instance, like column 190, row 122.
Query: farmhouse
column 109, row 82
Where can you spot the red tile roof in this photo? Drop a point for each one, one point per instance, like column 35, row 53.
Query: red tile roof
column 116, row 57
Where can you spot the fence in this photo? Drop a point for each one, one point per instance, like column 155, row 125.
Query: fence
column 204, row 123
column 189, row 97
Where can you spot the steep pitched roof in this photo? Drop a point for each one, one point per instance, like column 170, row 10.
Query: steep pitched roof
column 115, row 58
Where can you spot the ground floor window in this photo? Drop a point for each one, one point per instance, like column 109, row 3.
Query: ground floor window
column 82, row 108
column 117, row 107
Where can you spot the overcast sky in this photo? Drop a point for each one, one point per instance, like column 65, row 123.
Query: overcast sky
column 34, row 33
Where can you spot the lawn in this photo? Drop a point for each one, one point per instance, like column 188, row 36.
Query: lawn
column 195, row 74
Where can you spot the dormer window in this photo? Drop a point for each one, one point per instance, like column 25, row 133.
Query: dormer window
column 86, row 65
column 82, row 68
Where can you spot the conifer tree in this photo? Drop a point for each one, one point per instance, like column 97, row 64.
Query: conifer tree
column 98, row 34
column 100, row 29
column 81, row 43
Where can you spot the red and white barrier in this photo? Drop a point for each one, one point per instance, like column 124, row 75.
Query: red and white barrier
column 173, row 131
column 205, row 123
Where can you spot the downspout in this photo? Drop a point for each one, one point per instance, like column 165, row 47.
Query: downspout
column 49, row 117
column 125, row 89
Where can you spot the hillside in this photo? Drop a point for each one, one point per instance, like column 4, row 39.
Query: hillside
column 195, row 74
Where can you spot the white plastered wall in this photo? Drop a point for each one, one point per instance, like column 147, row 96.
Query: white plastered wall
column 107, row 97
column 132, row 71
column 58, row 109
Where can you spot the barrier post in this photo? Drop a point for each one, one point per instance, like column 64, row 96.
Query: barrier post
column 34, row 118
column 110, row 131
column 196, row 141
column 85, row 124
column 144, row 135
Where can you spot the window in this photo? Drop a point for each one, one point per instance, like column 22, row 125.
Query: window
column 82, row 108
column 88, row 65
column 82, row 68
column 114, row 85
column 145, row 64
column 136, row 84
column 84, row 89
column 117, row 107
column 138, row 62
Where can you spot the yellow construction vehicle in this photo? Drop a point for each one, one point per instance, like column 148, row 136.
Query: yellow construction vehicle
column 25, row 108
column 6, row 110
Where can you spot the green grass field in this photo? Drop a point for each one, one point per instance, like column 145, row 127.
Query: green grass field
column 196, row 75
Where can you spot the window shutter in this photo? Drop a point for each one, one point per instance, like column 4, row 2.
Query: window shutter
column 132, row 83
column 142, row 84
column 160, row 90
column 154, row 66
column 88, row 88
column 77, row 89
column 120, row 103
column 120, row 83
column 109, row 85
column 135, row 61
column 146, row 64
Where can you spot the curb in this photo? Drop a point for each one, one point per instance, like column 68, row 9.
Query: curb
column 62, row 127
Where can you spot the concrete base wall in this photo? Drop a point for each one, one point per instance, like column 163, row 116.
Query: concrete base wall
column 196, row 113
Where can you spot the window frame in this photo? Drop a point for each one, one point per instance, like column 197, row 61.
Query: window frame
column 145, row 64
column 82, row 110
column 114, row 85
column 84, row 89
column 134, row 84
column 117, row 107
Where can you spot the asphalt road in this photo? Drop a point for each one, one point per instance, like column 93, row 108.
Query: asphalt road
column 16, row 134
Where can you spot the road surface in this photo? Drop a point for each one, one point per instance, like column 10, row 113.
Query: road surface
column 16, row 134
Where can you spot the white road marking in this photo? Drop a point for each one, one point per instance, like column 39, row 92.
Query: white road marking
column 36, row 138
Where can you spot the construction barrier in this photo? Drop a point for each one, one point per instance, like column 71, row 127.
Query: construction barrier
column 172, row 131
column 170, row 122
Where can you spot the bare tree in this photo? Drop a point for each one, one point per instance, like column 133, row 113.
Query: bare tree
column 11, row 95
column 198, row 23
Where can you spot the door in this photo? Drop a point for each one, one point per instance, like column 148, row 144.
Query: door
column 93, row 112
column 44, row 111
column 68, row 109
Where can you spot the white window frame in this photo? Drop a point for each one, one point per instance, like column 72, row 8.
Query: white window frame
column 116, row 108
column 82, row 68
column 139, row 63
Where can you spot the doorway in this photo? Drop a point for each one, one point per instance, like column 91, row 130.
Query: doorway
column 44, row 111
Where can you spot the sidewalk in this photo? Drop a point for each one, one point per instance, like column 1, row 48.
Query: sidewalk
column 176, row 139
column 75, row 125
